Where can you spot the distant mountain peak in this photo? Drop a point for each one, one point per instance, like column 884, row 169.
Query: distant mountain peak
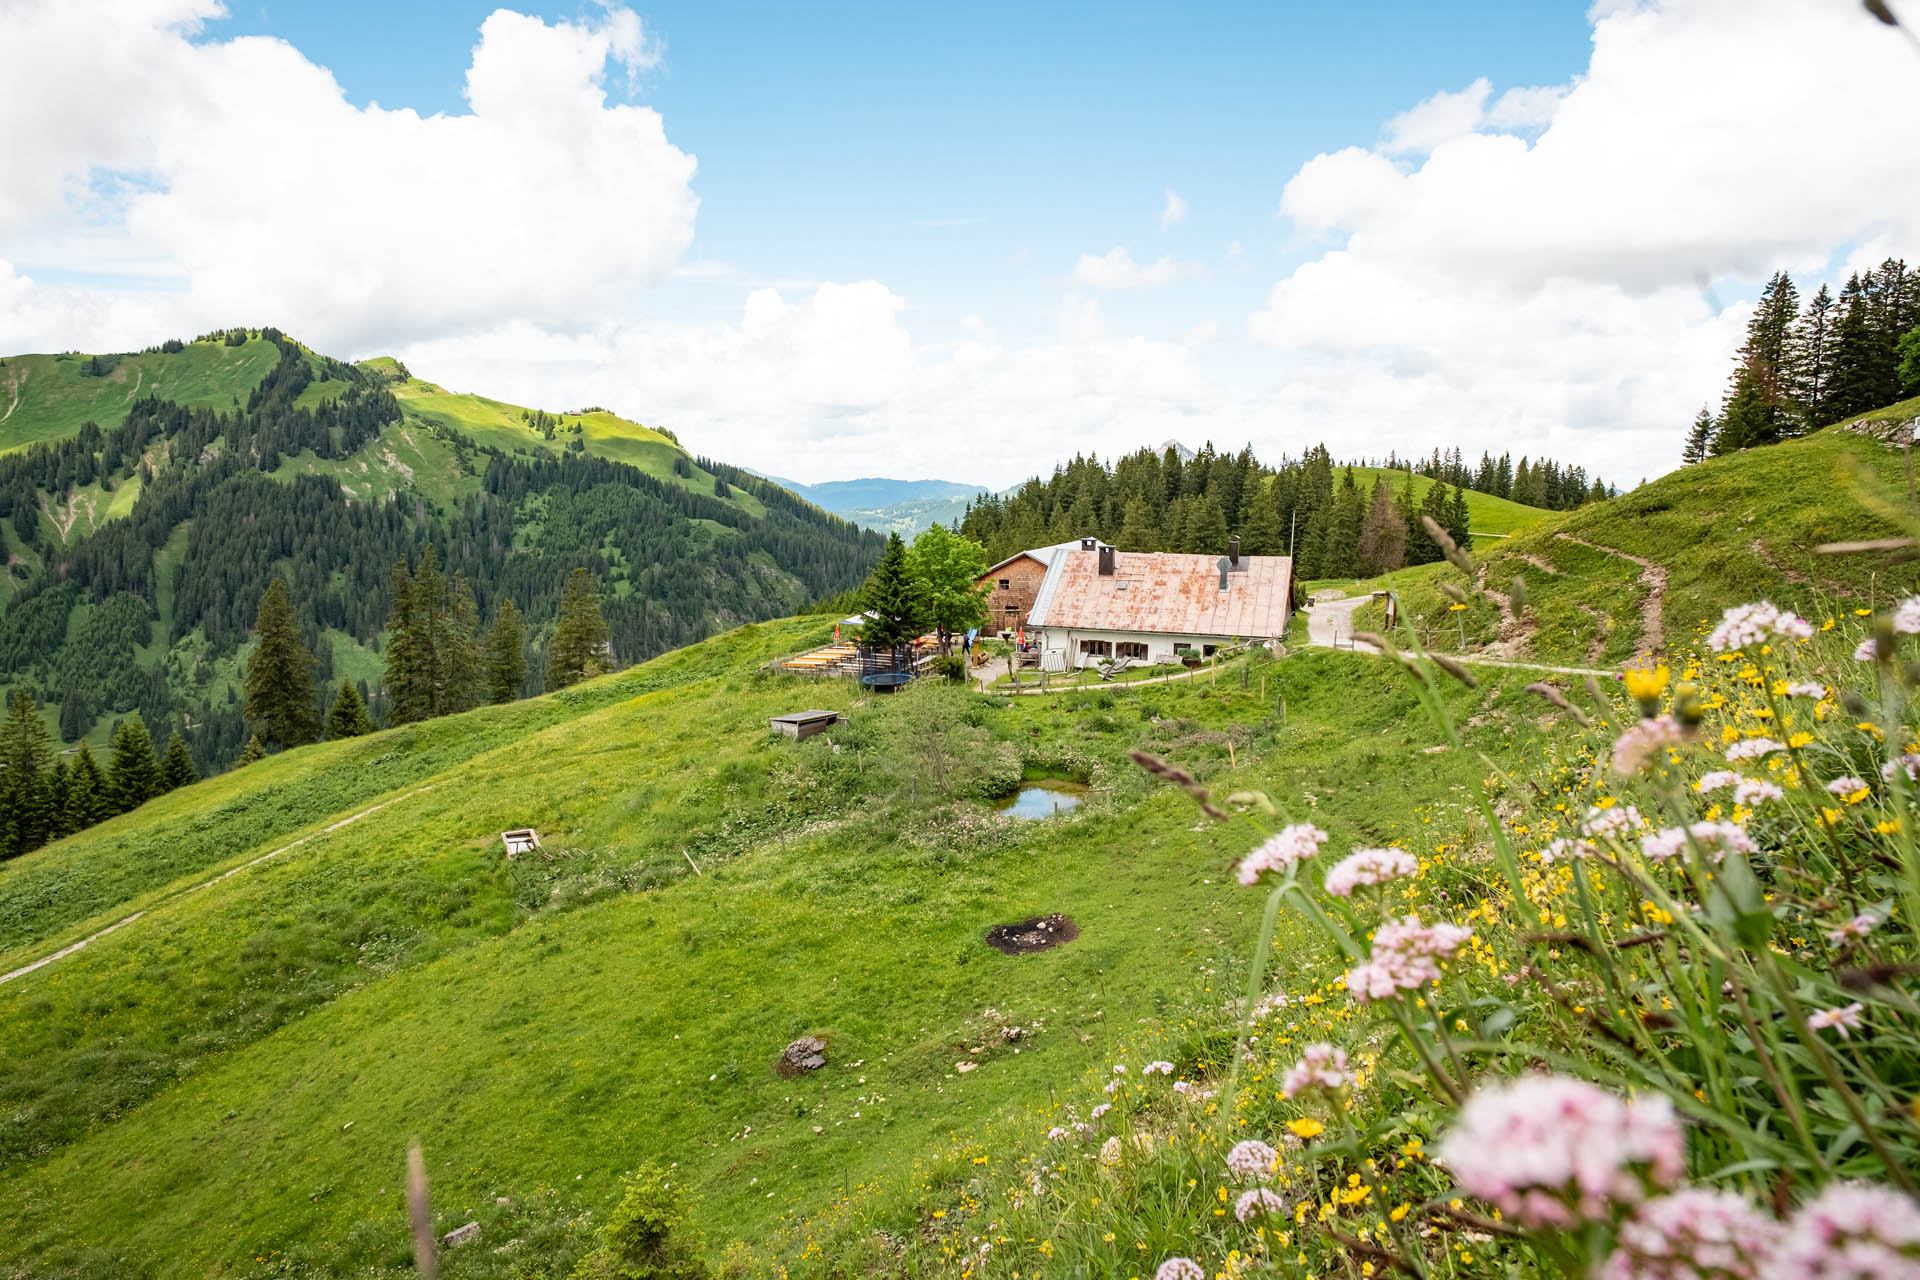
column 1180, row 451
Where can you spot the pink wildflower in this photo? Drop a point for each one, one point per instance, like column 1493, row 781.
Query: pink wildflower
column 1908, row 764
column 1866, row 651
column 1321, row 1066
column 1632, row 749
column 1293, row 845
column 1405, row 957
column 1716, row 840
column 1850, row 1230
column 1257, row 1202
column 1567, row 847
column 1753, row 791
column 1753, row 748
column 1180, row 1269
column 1369, row 867
column 1692, row 1234
column 1157, row 1068
column 1714, row 781
column 1751, row 624
column 1612, row 820
column 1058, row 1134
column 1806, row 689
column 1858, row 927
column 1843, row 1019
column 1847, row 785
column 1251, row 1159
column 1099, row 1111
column 1552, row 1151
column 1906, row 616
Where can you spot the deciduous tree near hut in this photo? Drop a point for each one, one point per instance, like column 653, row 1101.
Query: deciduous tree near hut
column 948, row 568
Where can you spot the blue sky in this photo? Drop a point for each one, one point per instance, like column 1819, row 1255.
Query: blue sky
column 834, row 241
column 966, row 155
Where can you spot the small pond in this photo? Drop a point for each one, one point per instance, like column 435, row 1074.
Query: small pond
column 1043, row 799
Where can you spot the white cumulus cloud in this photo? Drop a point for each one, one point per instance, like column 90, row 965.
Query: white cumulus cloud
column 241, row 167
column 1553, row 287
column 1116, row 269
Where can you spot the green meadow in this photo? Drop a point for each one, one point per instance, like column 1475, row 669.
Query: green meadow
column 48, row 397
column 246, row 1062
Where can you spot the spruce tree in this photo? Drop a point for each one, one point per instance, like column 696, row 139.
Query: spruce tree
column 1699, row 439
column 1855, row 384
column 280, row 692
column 256, row 750
column 74, row 717
column 504, row 661
column 177, row 769
column 348, row 718
column 1206, row 530
column 894, row 598
column 461, row 685
column 133, row 776
column 88, row 800
column 25, row 821
column 1383, row 541
column 1137, row 530
column 59, row 789
column 578, row 648
column 1459, row 519
column 1811, row 358
column 410, row 675
column 1261, row 532
column 1759, row 408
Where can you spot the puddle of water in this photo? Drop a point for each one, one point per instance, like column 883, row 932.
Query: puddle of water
column 1042, row 799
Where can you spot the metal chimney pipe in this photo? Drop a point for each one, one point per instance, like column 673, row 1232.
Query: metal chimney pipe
column 1233, row 549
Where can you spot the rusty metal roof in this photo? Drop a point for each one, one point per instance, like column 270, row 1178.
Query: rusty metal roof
column 1166, row 592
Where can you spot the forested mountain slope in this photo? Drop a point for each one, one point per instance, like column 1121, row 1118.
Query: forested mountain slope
column 146, row 500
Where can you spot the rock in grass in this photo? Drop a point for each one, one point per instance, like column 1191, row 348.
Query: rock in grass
column 460, row 1235
column 808, row 1053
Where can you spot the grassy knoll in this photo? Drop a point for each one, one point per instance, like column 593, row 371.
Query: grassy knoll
column 1745, row 524
column 245, row 1063
column 1486, row 514
column 499, row 425
column 48, row 397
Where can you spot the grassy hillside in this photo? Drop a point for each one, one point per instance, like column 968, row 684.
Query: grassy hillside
column 117, row 596
column 1488, row 516
column 246, row 1061
column 1746, row 525
column 47, row 397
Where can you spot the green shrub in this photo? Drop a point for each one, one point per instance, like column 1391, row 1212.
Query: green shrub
column 649, row 1237
column 951, row 665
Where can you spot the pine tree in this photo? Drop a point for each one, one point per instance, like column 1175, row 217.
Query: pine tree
column 410, row 667
column 178, row 770
column 59, row 790
column 348, row 718
column 1855, row 385
column 1383, row 540
column 1262, row 533
column 504, row 665
column 25, row 822
column 133, row 777
column 256, row 750
column 1699, row 439
column 1810, row 353
column 1759, row 408
column 280, row 692
column 88, row 800
column 1459, row 519
column 461, row 685
column 893, row 598
column 1206, row 531
column 578, row 648
column 74, row 717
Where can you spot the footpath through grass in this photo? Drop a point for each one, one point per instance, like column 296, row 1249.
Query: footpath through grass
column 246, row 1064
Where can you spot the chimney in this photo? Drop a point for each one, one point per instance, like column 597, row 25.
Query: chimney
column 1233, row 550
column 1225, row 565
column 1106, row 562
column 1086, row 544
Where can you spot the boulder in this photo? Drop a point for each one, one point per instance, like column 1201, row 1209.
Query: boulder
column 808, row 1053
column 460, row 1235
